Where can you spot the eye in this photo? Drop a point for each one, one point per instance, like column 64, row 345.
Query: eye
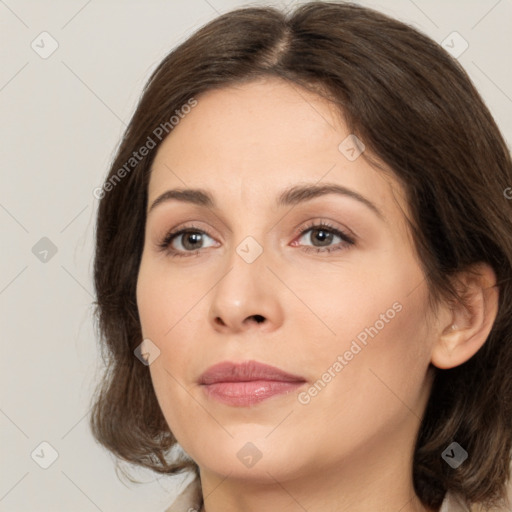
column 185, row 242
column 188, row 240
column 322, row 235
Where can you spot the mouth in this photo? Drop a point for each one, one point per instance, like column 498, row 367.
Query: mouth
column 247, row 383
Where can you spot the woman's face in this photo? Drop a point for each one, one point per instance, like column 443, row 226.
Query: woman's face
column 345, row 313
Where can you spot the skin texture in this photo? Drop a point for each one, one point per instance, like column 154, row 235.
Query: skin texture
column 350, row 447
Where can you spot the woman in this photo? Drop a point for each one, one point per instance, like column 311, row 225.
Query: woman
column 303, row 271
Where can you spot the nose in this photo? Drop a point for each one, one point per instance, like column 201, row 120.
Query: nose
column 247, row 297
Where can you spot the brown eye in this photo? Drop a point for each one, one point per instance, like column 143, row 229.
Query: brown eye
column 190, row 240
column 185, row 242
column 322, row 237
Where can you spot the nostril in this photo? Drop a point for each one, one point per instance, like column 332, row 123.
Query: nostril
column 258, row 318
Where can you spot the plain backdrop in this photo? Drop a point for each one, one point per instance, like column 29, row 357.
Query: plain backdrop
column 61, row 118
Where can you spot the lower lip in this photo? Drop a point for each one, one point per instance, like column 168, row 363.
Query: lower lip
column 243, row 394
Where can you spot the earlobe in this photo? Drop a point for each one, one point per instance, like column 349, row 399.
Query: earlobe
column 467, row 326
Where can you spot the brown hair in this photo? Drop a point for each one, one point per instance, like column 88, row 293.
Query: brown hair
column 416, row 109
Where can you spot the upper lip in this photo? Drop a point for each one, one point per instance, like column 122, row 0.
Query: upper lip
column 246, row 371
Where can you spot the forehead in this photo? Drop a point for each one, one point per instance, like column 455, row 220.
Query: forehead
column 252, row 140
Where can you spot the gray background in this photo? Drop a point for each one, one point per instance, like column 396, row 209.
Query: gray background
column 61, row 119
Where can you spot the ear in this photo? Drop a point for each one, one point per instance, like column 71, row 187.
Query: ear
column 462, row 332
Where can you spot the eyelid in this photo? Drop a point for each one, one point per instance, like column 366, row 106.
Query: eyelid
column 328, row 224
column 169, row 235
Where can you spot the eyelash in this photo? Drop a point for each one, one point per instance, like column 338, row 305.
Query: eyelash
column 164, row 244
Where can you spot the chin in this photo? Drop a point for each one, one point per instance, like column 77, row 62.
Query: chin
column 248, row 455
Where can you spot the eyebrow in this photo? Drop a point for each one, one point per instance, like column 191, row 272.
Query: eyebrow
column 289, row 197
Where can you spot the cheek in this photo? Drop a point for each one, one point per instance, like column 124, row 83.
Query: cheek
column 168, row 306
column 159, row 313
column 379, row 347
column 163, row 318
column 164, row 299
column 379, row 384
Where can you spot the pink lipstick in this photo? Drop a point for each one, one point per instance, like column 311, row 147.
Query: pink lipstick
column 247, row 383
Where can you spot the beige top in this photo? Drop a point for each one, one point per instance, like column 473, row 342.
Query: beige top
column 190, row 498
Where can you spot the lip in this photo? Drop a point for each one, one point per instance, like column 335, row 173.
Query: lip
column 247, row 383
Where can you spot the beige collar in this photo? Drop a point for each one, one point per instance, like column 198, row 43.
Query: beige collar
column 189, row 500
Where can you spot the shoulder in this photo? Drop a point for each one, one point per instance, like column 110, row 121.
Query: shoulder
column 453, row 503
column 189, row 500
